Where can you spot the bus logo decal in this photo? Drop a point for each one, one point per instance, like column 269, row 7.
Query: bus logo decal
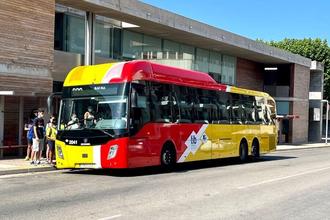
column 193, row 142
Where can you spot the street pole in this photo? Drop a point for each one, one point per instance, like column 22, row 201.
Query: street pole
column 326, row 124
column 326, row 121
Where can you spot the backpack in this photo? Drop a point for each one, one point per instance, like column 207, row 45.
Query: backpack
column 30, row 133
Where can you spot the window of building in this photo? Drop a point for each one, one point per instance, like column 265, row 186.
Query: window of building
column 215, row 65
column 75, row 34
column 103, row 39
column 116, row 43
column 202, row 60
column 228, row 71
column 283, row 108
column 152, row 47
column 187, row 52
column 132, row 45
column 171, row 50
column 59, row 31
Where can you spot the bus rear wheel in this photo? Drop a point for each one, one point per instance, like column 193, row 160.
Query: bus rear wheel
column 255, row 150
column 168, row 156
column 243, row 151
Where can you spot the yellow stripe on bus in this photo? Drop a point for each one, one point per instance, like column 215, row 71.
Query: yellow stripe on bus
column 87, row 75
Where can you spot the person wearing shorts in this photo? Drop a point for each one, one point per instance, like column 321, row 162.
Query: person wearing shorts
column 38, row 137
column 51, row 136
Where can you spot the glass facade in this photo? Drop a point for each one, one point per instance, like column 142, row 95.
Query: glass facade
column 283, row 107
column 132, row 45
column 202, row 60
column 228, row 70
column 69, row 33
column 113, row 42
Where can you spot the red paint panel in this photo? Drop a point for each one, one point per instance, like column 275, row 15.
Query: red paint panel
column 120, row 160
column 145, row 147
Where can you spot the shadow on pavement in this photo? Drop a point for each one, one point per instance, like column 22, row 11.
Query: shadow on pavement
column 179, row 168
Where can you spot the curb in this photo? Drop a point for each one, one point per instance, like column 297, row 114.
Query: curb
column 26, row 170
column 302, row 148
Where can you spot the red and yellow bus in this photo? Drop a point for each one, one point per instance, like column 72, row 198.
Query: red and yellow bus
column 139, row 113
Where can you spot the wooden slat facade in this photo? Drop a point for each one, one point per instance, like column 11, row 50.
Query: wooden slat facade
column 26, row 86
column 27, row 32
column 26, row 61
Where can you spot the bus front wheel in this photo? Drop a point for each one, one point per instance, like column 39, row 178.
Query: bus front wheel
column 168, row 156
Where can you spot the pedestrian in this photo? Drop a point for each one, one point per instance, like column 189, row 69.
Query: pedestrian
column 38, row 137
column 29, row 134
column 51, row 136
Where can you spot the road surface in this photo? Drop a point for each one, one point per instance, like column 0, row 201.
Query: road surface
column 293, row 184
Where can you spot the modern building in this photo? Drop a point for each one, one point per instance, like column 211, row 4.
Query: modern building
column 41, row 40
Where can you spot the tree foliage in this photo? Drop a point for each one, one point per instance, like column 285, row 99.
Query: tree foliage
column 315, row 49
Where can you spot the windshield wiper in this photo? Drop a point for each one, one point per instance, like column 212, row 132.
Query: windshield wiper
column 105, row 132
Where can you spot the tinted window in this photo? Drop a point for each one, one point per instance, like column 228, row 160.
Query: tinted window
column 248, row 103
column 272, row 110
column 140, row 106
column 164, row 106
column 205, row 110
column 238, row 113
column 185, row 103
column 224, row 107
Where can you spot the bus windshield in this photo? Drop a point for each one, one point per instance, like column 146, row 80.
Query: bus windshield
column 94, row 107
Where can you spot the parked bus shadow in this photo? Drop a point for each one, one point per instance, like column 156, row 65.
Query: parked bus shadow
column 184, row 167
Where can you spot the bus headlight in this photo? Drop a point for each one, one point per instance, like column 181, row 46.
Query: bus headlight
column 60, row 152
column 112, row 151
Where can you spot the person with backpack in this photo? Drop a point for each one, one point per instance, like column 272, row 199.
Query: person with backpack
column 29, row 134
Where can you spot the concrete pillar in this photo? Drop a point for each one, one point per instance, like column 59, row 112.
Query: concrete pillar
column 300, row 104
column 89, row 38
column 2, row 118
column 20, row 124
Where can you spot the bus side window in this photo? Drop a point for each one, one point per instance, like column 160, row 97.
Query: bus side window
column 140, row 106
column 202, row 107
column 185, row 104
column 224, row 107
column 259, row 109
column 161, row 103
column 213, row 107
column 272, row 110
column 237, row 111
column 248, row 104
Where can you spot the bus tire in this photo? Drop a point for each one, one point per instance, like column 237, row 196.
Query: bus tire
column 243, row 151
column 168, row 156
column 255, row 149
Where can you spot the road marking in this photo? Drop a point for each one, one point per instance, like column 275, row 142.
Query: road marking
column 283, row 178
column 110, row 217
column 30, row 173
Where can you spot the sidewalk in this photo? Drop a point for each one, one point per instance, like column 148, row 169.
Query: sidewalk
column 15, row 166
column 300, row 146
